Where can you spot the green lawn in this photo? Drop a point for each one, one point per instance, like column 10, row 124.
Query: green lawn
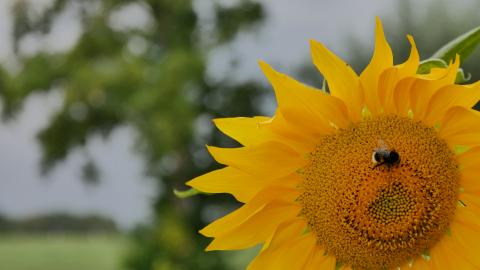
column 61, row 252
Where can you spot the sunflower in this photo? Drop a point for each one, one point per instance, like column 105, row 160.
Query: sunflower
column 379, row 173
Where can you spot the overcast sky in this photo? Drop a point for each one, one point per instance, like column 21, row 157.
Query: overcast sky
column 124, row 194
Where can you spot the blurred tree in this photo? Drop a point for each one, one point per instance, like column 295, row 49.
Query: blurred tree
column 151, row 78
column 58, row 223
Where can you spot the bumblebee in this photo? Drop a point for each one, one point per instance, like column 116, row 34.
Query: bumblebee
column 383, row 155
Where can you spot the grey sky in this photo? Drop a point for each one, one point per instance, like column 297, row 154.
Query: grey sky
column 125, row 194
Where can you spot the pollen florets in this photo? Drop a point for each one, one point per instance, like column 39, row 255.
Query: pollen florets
column 375, row 217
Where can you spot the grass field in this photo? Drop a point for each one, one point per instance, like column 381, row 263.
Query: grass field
column 61, row 252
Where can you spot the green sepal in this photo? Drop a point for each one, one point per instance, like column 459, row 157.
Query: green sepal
column 426, row 255
column 410, row 114
column 427, row 65
column 459, row 149
column 187, row 193
column 463, row 45
column 366, row 113
column 325, row 86
column 462, row 77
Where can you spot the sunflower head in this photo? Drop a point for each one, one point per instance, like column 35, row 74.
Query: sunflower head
column 395, row 210
column 367, row 176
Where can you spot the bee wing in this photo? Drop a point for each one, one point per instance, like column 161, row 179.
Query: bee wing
column 382, row 144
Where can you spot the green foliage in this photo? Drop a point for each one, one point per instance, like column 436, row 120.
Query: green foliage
column 57, row 252
column 462, row 77
column 186, row 193
column 58, row 223
column 171, row 245
column 151, row 79
column 231, row 20
column 90, row 173
column 427, row 65
column 463, row 45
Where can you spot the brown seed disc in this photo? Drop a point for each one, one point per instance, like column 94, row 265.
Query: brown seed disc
column 377, row 216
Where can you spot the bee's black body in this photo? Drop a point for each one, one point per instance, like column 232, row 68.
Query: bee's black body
column 382, row 156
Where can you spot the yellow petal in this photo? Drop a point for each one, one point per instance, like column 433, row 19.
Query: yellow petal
column 245, row 130
column 470, row 175
column 389, row 85
column 342, row 80
column 289, row 230
column 410, row 67
column 401, row 96
column 423, row 89
column 251, row 131
column 387, row 82
column 449, row 96
column 435, row 74
column 468, row 215
column 290, row 255
column 444, row 257
column 469, row 159
column 238, row 183
column 420, row 264
column 290, row 133
column 465, row 239
column 470, row 181
column 472, row 203
column 310, row 107
column 257, row 228
column 467, row 139
column 237, row 217
column 270, row 159
column 381, row 60
column 461, row 126
column 319, row 260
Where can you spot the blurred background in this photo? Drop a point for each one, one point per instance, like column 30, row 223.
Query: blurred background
column 107, row 106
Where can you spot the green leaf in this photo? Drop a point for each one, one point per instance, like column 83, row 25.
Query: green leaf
column 426, row 255
column 186, row 193
column 463, row 45
column 462, row 77
column 426, row 65
column 325, row 86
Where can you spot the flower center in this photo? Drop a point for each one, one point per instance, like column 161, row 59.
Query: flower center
column 392, row 203
column 371, row 213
